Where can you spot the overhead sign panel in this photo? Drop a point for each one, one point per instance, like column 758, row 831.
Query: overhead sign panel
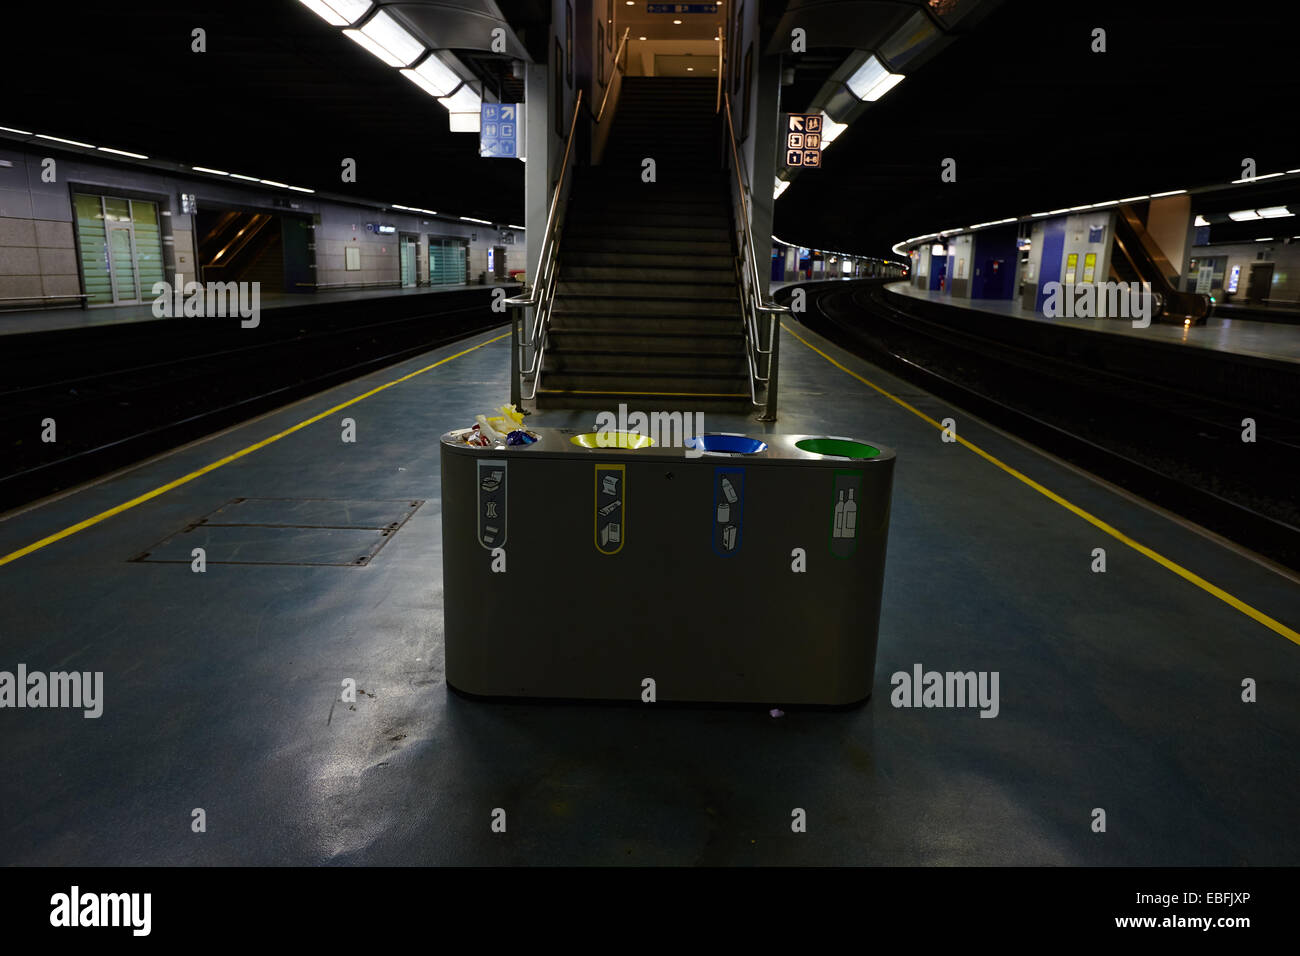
column 681, row 8
column 500, row 135
column 803, row 139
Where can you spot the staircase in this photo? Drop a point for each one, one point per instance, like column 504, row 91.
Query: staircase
column 647, row 307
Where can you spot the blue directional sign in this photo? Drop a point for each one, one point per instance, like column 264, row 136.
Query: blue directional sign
column 500, row 136
column 681, row 8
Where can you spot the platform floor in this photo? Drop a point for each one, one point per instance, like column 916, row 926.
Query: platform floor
column 1270, row 340
column 1118, row 690
column 48, row 320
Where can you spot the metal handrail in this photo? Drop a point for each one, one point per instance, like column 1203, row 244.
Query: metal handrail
column 543, row 291
column 618, row 55
column 717, row 103
column 752, row 302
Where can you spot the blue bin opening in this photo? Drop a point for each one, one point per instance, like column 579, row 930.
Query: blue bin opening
column 730, row 444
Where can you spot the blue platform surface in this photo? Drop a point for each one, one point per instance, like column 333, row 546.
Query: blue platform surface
column 1120, row 691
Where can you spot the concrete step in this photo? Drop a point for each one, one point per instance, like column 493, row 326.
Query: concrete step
column 630, row 380
column 651, row 324
column 635, row 340
column 601, row 258
column 645, row 293
column 637, row 246
column 616, row 229
column 595, row 399
column 668, row 275
column 602, row 361
column 647, row 214
column 632, row 202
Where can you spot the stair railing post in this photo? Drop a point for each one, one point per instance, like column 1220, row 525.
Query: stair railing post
column 516, row 390
column 769, row 410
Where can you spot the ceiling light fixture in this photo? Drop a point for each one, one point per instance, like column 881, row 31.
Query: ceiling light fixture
column 433, row 76
column 387, row 39
column 338, row 13
column 872, row 80
column 70, row 142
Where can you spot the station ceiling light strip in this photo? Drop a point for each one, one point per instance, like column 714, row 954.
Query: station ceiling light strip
column 213, row 466
column 210, row 171
column 1271, row 623
column 1096, row 205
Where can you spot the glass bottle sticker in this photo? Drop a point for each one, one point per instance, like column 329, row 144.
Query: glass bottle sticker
column 845, row 500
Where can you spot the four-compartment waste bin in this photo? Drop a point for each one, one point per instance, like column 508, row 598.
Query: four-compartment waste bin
column 740, row 569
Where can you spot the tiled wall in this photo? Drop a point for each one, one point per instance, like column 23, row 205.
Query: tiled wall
column 37, row 257
column 37, row 245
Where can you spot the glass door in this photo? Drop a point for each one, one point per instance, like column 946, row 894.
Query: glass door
column 121, row 248
column 122, row 265
column 408, row 262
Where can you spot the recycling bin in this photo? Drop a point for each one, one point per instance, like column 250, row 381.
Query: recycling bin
column 605, row 567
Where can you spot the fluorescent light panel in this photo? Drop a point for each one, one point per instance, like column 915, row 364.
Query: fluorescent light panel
column 338, row 13
column 831, row 130
column 464, row 122
column 433, row 76
column 464, row 100
column 70, row 142
column 121, row 152
column 392, row 37
column 872, row 80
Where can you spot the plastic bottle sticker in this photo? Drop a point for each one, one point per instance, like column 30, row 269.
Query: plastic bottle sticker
column 728, row 509
column 492, row 504
column 846, row 492
column 611, row 508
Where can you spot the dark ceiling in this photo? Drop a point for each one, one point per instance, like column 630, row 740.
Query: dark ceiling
column 1034, row 119
column 279, row 94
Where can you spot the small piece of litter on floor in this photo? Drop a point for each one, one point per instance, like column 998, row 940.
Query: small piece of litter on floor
column 777, row 712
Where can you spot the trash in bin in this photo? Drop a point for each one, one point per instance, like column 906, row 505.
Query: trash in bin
column 504, row 429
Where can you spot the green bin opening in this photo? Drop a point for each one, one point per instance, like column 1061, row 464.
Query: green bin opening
column 837, row 447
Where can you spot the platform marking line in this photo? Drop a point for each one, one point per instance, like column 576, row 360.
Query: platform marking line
column 1218, row 592
column 141, row 499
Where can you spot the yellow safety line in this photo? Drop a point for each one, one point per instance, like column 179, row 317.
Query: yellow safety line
column 1182, row 572
column 126, row 506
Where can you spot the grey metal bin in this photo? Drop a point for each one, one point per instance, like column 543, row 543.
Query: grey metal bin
column 732, row 577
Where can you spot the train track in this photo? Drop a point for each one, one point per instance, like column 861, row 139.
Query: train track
column 1178, row 447
column 137, row 397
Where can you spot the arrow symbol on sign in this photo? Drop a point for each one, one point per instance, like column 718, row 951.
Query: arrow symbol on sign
column 796, row 122
column 507, row 112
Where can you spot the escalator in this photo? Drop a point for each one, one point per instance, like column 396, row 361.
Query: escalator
column 1137, row 258
column 232, row 243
